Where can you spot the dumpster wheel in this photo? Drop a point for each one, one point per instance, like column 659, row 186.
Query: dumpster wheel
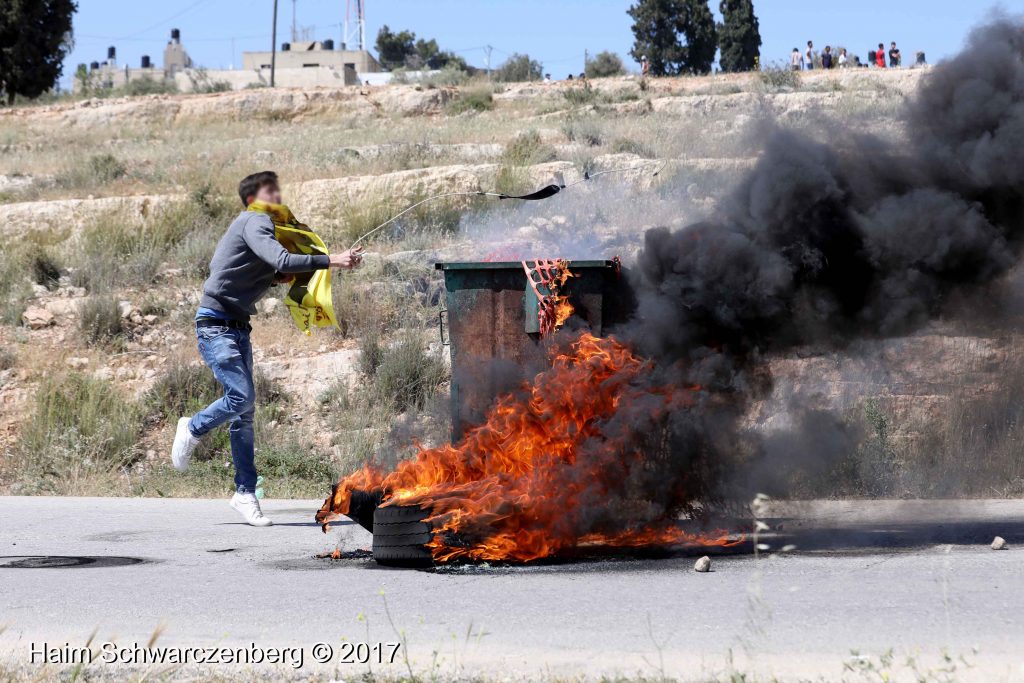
column 400, row 536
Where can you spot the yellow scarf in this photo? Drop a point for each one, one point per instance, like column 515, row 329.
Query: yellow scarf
column 309, row 298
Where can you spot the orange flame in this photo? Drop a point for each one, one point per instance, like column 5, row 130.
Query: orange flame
column 526, row 483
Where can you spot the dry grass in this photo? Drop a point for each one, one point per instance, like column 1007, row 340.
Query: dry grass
column 388, row 307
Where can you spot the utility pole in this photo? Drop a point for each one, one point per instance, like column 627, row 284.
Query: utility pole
column 586, row 59
column 487, row 60
column 273, row 46
column 295, row 35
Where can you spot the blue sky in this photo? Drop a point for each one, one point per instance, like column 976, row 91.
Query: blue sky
column 556, row 32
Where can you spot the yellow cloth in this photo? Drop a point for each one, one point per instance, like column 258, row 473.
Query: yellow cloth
column 309, row 297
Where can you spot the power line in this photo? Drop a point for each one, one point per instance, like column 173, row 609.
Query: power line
column 163, row 21
column 191, row 39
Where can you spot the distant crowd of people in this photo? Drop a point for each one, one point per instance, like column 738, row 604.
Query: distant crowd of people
column 810, row 59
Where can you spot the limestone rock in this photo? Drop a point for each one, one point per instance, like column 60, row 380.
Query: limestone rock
column 36, row 318
column 999, row 543
column 77, row 363
column 269, row 305
column 702, row 565
column 410, row 101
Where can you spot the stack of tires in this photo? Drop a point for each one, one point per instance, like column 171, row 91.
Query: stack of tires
column 400, row 536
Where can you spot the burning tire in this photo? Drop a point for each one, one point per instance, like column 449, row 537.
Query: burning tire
column 400, row 536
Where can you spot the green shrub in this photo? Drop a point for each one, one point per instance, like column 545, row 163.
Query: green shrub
column 513, row 180
column 776, row 78
column 450, row 75
column 95, row 171
column 581, row 95
column 407, row 375
column 15, row 286
column 45, row 269
column 287, row 463
column 78, row 427
column 8, row 359
column 584, row 130
column 527, row 149
column 107, row 167
column 150, row 86
column 629, row 146
column 99, row 320
column 475, row 99
column 371, row 352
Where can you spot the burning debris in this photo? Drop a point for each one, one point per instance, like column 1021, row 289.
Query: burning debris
column 818, row 247
column 544, row 474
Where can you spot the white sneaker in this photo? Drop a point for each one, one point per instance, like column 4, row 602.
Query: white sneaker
column 249, row 507
column 184, row 445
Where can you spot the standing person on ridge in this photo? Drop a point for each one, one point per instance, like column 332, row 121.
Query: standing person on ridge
column 895, row 57
column 247, row 261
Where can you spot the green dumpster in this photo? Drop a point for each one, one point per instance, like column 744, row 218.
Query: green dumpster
column 492, row 329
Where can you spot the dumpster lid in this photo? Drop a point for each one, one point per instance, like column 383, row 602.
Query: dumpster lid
column 499, row 265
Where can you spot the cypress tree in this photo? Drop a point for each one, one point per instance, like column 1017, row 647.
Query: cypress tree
column 701, row 37
column 739, row 36
column 34, row 38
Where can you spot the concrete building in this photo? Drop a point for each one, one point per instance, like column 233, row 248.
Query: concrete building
column 175, row 57
column 313, row 54
column 298, row 65
column 109, row 75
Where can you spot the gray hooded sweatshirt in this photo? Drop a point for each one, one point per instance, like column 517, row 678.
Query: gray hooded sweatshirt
column 244, row 264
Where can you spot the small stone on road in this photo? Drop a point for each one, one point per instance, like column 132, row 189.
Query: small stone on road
column 702, row 565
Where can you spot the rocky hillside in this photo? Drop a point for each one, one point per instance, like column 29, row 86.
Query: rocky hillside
column 117, row 203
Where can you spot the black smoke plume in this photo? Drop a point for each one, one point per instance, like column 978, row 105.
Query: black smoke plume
column 822, row 245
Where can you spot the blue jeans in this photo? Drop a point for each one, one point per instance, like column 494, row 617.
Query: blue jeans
column 229, row 354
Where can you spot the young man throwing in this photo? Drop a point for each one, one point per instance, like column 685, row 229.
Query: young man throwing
column 247, row 261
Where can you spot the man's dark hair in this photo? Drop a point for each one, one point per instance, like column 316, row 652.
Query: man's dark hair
column 251, row 184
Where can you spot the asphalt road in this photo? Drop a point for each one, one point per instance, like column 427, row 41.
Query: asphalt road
column 915, row 577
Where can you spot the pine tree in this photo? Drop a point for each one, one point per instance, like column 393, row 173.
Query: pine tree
column 739, row 36
column 394, row 48
column 659, row 26
column 34, row 38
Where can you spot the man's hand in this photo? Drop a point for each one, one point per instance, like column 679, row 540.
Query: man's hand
column 347, row 259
